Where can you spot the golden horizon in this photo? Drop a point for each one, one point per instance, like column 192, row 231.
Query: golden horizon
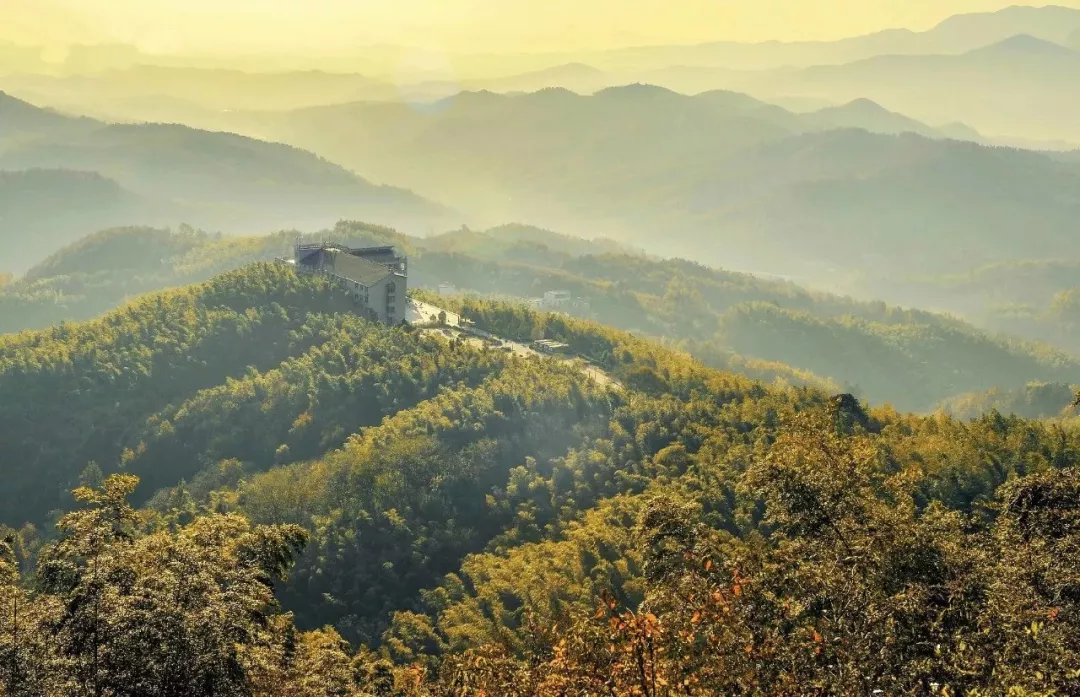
column 457, row 26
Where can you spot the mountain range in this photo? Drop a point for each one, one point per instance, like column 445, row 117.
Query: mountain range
column 1020, row 86
column 734, row 181
column 954, row 35
column 970, row 68
column 1015, row 85
column 220, row 477
column 66, row 176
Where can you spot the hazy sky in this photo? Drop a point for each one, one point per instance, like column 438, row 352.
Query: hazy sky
column 459, row 26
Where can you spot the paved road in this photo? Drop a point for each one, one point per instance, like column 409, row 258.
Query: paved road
column 423, row 312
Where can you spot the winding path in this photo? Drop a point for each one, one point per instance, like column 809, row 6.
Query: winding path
column 419, row 312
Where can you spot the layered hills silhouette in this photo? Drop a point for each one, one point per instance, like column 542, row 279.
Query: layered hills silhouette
column 1010, row 75
column 954, row 35
column 166, row 174
column 730, row 179
column 42, row 209
column 1020, row 86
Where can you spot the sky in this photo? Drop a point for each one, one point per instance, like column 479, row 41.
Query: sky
column 457, row 26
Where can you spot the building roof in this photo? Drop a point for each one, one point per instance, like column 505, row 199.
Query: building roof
column 366, row 273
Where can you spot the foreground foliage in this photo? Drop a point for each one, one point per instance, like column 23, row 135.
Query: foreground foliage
column 118, row 608
column 854, row 590
column 848, row 586
column 456, row 520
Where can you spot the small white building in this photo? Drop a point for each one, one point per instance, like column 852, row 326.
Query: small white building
column 446, row 288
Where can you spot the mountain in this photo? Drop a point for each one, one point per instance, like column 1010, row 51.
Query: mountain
column 1035, row 298
column 245, row 460
column 545, row 137
column 209, row 179
column 576, row 77
column 957, row 34
column 764, row 329
column 732, row 181
column 20, row 120
column 1036, row 400
column 135, row 90
column 1051, row 23
column 1021, row 47
column 42, row 210
column 870, row 116
column 1028, row 87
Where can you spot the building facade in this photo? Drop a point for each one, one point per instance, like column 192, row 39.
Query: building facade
column 376, row 277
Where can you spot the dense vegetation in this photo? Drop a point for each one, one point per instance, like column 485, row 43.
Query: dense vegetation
column 1036, row 400
column 221, row 480
column 467, row 521
column 767, row 329
column 1033, row 298
column 773, row 330
column 108, row 268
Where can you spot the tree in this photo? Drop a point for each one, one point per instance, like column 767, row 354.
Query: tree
column 188, row 611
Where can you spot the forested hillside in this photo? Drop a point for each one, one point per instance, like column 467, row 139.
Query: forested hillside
column 1036, row 400
column 765, row 329
column 1035, row 298
column 105, row 269
column 458, row 519
column 789, row 406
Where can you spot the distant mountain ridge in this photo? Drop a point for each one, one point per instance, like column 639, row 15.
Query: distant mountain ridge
column 1024, row 59
column 871, row 116
column 174, row 174
column 1028, row 86
column 41, row 210
column 20, row 120
column 730, row 179
column 1025, row 44
column 954, row 35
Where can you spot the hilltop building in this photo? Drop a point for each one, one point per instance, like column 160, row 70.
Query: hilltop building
column 377, row 277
